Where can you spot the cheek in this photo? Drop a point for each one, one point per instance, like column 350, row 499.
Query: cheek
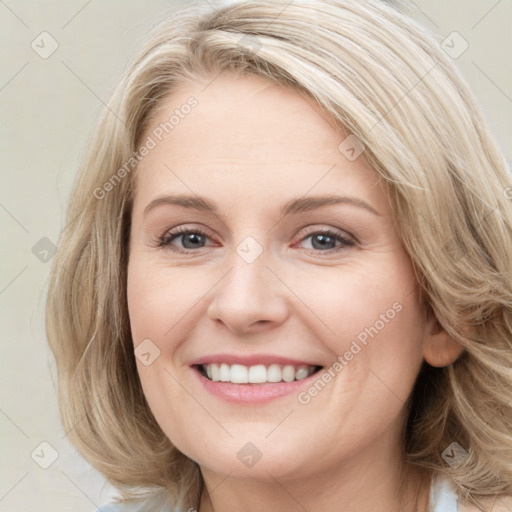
column 352, row 302
column 155, row 306
column 334, row 308
column 372, row 322
column 159, row 299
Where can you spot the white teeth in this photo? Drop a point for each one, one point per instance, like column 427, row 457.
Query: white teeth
column 274, row 373
column 301, row 373
column 224, row 373
column 239, row 374
column 288, row 373
column 258, row 374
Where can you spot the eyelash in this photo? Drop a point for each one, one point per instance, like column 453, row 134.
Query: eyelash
column 165, row 240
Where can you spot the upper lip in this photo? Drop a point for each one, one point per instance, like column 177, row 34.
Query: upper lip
column 250, row 360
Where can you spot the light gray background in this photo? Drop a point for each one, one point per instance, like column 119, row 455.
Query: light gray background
column 48, row 108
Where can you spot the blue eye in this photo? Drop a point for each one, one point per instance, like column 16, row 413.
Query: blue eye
column 321, row 240
column 169, row 237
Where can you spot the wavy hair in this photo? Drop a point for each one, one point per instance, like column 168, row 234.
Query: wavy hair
column 383, row 78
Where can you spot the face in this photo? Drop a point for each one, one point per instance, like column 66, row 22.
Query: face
column 257, row 274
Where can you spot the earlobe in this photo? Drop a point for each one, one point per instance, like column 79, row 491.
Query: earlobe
column 439, row 348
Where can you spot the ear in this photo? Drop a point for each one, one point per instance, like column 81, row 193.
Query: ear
column 439, row 349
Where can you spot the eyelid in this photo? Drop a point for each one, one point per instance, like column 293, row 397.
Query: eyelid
column 323, row 228
column 341, row 236
column 185, row 228
column 176, row 231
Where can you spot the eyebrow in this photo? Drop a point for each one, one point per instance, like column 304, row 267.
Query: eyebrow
column 299, row 205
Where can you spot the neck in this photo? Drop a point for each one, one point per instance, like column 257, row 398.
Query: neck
column 364, row 488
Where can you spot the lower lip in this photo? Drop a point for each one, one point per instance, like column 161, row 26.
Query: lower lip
column 252, row 393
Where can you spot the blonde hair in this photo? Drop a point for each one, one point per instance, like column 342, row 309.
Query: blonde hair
column 386, row 80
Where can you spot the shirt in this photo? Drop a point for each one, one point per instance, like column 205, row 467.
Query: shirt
column 443, row 497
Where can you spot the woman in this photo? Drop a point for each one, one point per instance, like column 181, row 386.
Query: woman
column 285, row 280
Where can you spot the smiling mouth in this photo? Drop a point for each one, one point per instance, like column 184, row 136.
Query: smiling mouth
column 257, row 374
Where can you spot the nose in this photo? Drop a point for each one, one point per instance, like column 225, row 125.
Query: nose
column 249, row 298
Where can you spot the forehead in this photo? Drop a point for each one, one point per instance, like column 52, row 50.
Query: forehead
column 246, row 113
column 248, row 136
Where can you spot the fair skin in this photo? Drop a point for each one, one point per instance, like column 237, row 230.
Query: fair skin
column 249, row 147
